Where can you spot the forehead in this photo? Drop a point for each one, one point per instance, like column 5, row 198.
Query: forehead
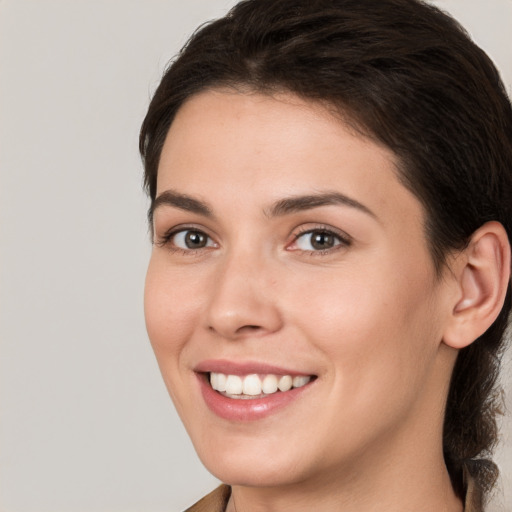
column 255, row 149
column 231, row 129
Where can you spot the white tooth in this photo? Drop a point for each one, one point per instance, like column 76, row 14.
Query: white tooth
column 252, row 385
column 221, row 382
column 285, row 383
column 214, row 380
column 269, row 384
column 234, row 385
column 300, row 380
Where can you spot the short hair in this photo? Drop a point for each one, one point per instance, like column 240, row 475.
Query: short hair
column 408, row 76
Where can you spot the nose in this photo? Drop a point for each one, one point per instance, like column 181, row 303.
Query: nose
column 243, row 301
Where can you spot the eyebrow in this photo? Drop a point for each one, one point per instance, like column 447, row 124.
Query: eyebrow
column 307, row 202
column 280, row 208
column 181, row 201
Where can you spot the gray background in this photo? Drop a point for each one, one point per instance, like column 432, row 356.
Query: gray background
column 85, row 421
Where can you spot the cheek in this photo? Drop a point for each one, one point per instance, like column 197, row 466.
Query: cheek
column 169, row 312
column 376, row 326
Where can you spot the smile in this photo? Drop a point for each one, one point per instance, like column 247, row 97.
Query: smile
column 254, row 386
column 250, row 391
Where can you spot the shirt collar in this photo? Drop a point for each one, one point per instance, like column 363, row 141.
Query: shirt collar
column 217, row 500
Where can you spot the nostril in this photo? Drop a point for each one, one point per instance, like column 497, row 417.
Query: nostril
column 248, row 328
column 241, row 329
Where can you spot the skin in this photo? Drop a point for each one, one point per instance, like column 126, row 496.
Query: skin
column 366, row 316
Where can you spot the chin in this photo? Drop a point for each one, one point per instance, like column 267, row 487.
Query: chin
column 252, row 464
column 250, row 473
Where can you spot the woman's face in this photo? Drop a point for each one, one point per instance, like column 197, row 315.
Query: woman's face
column 287, row 252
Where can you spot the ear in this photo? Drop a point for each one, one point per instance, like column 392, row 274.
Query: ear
column 482, row 274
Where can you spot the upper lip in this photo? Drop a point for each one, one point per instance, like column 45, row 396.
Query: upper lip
column 244, row 368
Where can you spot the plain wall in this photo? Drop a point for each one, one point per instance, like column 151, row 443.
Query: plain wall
column 85, row 421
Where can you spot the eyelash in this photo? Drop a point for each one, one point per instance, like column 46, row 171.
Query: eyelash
column 343, row 240
column 166, row 238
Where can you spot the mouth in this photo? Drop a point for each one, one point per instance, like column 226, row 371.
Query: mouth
column 250, row 391
column 254, row 386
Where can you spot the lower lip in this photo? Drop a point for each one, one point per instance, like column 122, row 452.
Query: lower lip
column 251, row 409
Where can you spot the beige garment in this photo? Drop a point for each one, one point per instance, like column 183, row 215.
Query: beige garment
column 217, row 500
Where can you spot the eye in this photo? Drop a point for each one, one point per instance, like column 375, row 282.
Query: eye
column 187, row 240
column 316, row 240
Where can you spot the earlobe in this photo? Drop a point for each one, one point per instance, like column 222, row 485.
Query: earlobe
column 482, row 281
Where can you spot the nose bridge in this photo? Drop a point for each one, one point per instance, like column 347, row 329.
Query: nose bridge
column 243, row 296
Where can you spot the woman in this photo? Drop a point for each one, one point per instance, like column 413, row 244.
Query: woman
column 329, row 286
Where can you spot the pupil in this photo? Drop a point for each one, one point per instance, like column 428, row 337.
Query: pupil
column 322, row 241
column 195, row 240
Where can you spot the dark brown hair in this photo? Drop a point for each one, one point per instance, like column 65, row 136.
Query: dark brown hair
column 407, row 75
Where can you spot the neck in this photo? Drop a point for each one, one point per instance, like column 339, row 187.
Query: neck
column 396, row 486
